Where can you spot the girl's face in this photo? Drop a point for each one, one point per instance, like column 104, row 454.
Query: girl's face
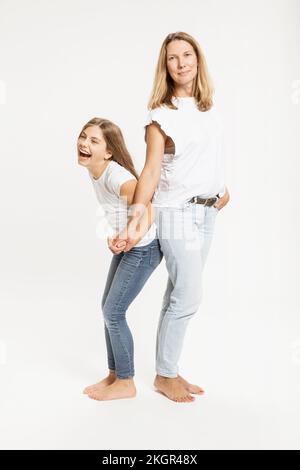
column 91, row 147
column 181, row 62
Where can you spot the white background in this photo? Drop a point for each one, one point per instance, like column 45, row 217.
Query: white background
column 64, row 62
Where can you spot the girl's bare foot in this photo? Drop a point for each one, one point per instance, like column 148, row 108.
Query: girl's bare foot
column 109, row 380
column 173, row 389
column 190, row 387
column 121, row 388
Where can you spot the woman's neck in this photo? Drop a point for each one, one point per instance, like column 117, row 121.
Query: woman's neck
column 184, row 92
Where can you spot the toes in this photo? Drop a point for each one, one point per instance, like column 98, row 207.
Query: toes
column 190, row 398
column 184, row 399
column 198, row 391
column 195, row 390
column 187, row 398
column 94, row 396
column 174, row 398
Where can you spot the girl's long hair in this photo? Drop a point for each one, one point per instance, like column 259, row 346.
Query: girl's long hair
column 114, row 142
column 163, row 85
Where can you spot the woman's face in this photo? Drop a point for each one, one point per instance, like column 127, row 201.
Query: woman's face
column 91, row 147
column 181, row 62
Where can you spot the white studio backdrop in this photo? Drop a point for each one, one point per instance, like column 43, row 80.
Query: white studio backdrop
column 64, row 62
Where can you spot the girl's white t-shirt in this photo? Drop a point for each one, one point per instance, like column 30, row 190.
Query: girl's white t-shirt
column 107, row 188
column 196, row 168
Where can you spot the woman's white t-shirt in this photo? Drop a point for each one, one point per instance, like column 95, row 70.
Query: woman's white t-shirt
column 196, row 168
column 107, row 188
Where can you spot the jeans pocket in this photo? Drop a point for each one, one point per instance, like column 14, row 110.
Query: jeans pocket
column 133, row 257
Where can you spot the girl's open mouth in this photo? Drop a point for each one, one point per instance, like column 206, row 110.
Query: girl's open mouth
column 84, row 155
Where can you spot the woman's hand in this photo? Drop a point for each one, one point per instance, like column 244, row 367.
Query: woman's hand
column 222, row 201
column 136, row 228
column 129, row 237
column 116, row 249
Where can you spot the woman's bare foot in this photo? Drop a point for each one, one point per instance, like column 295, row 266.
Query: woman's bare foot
column 121, row 388
column 109, row 380
column 173, row 389
column 190, row 387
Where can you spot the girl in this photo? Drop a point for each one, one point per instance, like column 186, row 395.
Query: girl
column 102, row 151
column 184, row 175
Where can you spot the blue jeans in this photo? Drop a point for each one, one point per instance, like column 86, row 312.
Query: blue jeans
column 127, row 275
column 185, row 235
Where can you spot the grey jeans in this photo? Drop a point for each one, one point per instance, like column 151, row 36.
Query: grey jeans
column 185, row 236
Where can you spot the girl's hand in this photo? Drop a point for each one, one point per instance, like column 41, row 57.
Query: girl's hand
column 116, row 249
column 131, row 235
column 222, row 201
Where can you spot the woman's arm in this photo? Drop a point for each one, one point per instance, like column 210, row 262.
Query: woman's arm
column 127, row 192
column 150, row 175
column 146, row 185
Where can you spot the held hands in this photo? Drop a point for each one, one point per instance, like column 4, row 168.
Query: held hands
column 138, row 225
column 131, row 235
column 126, row 239
column 116, row 249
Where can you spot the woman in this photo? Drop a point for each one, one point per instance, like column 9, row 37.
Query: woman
column 184, row 177
column 102, row 151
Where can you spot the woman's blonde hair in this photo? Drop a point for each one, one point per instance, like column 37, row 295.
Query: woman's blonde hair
column 114, row 142
column 163, row 86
